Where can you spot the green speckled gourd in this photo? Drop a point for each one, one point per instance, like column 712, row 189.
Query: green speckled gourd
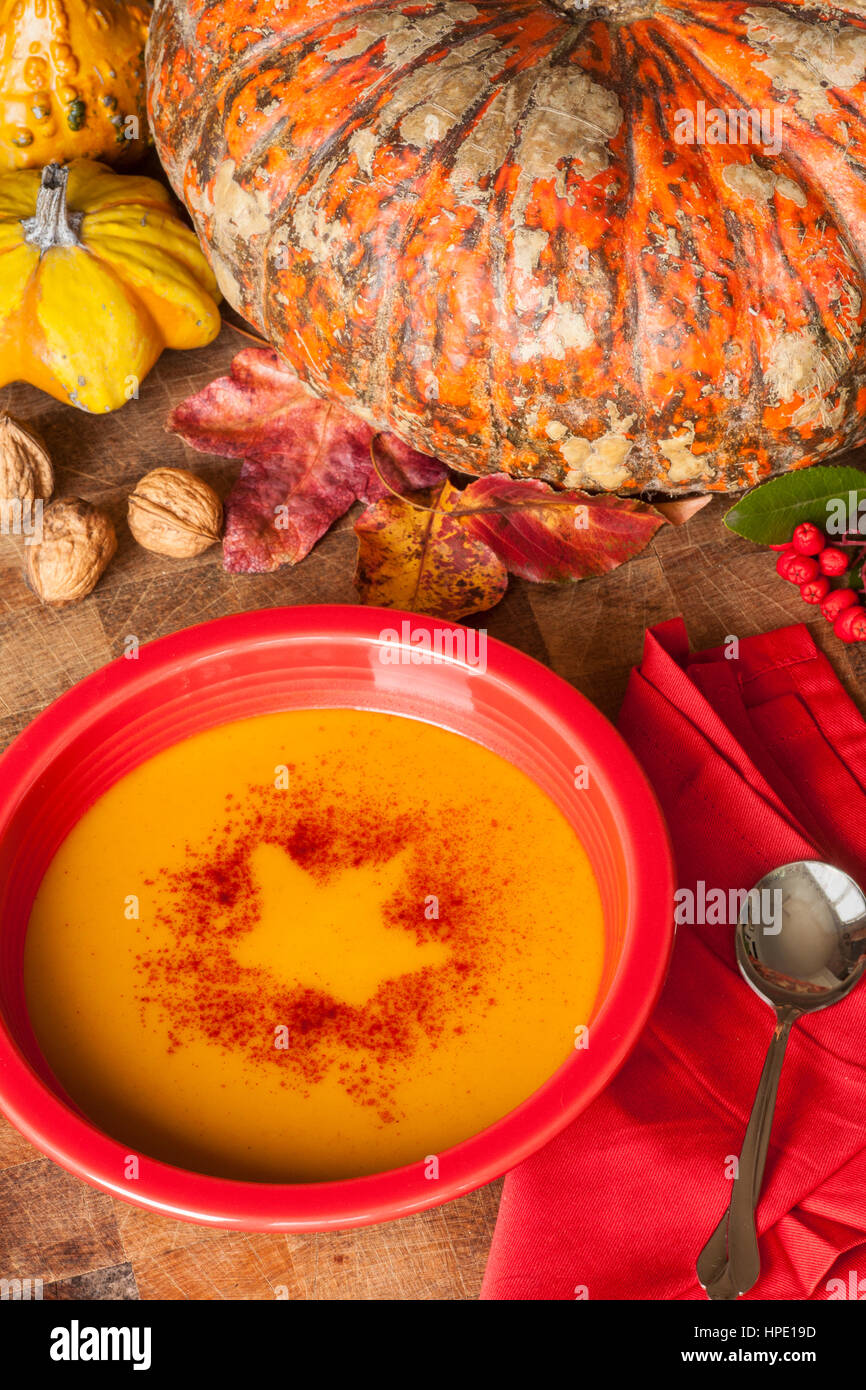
column 71, row 81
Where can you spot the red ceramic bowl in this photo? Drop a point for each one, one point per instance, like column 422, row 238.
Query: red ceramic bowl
column 292, row 658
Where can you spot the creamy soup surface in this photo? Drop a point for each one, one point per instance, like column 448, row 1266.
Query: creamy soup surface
column 313, row 945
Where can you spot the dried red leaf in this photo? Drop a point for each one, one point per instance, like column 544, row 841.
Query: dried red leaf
column 553, row 537
column 305, row 460
column 423, row 559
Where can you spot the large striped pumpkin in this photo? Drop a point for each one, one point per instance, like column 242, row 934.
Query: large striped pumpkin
column 620, row 246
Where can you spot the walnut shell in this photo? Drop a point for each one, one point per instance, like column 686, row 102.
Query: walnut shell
column 26, row 472
column 173, row 512
column 77, row 542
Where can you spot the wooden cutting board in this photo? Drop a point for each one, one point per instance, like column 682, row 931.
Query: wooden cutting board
column 84, row 1244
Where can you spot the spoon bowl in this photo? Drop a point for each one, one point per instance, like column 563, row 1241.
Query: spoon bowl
column 801, row 936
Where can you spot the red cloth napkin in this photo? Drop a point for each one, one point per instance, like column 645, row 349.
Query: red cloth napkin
column 756, row 761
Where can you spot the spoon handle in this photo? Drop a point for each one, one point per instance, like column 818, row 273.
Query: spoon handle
column 713, row 1259
column 744, row 1261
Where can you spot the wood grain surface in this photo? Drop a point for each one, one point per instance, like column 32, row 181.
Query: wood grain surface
column 86, row 1245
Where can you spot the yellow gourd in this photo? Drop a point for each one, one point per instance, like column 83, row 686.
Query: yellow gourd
column 71, row 81
column 97, row 276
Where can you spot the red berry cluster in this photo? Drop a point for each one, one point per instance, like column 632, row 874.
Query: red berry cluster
column 809, row 562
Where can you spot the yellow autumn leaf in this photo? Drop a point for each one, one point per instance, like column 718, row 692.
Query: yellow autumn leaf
column 422, row 559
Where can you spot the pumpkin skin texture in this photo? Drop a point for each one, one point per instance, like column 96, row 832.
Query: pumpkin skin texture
column 71, row 76
column 477, row 224
column 97, row 275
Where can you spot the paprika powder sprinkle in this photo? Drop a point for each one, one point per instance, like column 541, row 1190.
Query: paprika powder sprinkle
column 198, row 986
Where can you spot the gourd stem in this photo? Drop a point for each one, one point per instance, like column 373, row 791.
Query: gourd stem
column 53, row 223
column 612, row 11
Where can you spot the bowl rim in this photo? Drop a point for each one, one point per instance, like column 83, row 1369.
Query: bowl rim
column 85, row 1150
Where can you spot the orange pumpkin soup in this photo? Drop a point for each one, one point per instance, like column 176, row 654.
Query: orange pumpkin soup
column 313, row 945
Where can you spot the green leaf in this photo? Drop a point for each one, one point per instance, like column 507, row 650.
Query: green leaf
column 769, row 513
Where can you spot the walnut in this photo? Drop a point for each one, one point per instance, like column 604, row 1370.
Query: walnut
column 25, row 465
column 173, row 512
column 76, row 544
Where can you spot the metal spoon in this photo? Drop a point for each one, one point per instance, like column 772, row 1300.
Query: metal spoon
column 801, row 945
